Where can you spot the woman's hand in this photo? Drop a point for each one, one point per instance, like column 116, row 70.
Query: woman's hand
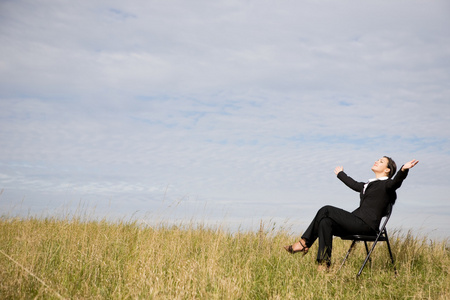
column 410, row 164
column 338, row 170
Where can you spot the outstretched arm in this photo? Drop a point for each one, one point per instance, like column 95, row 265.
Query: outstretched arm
column 401, row 175
column 410, row 164
column 350, row 182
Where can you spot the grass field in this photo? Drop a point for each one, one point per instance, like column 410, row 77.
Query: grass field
column 75, row 259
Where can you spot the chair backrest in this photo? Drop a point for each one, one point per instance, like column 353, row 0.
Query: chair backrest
column 387, row 215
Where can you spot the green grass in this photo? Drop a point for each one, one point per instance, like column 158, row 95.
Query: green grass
column 74, row 259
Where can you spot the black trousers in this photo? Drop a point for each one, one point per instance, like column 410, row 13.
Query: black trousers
column 330, row 221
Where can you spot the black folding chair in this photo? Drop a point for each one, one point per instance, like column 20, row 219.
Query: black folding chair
column 381, row 236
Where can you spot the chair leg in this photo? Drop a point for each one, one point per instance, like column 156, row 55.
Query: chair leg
column 367, row 252
column 367, row 258
column 346, row 256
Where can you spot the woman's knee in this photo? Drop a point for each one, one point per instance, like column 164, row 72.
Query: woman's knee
column 324, row 210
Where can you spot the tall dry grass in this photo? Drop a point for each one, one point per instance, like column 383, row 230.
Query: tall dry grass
column 74, row 259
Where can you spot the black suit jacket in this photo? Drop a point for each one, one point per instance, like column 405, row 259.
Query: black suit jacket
column 375, row 200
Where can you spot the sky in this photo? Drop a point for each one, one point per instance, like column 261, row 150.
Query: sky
column 224, row 113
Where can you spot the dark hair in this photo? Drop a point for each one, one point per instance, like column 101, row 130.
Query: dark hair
column 392, row 166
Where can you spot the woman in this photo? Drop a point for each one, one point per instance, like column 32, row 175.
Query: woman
column 375, row 195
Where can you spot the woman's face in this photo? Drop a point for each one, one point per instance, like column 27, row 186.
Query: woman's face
column 381, row 166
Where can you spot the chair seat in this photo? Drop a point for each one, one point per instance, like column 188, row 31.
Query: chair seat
column 359, row 237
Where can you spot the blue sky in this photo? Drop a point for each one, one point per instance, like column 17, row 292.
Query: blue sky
column 222, row 112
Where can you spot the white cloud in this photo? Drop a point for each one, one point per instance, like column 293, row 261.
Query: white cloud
column 237, row 105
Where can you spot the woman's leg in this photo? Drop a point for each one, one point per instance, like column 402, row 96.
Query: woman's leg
column 325, row 233
column 330, row 221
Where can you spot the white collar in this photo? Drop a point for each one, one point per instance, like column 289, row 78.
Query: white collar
column 372, row 180
column 381, row 178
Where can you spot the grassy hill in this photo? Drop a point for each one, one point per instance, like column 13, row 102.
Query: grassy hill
column 74, row 259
